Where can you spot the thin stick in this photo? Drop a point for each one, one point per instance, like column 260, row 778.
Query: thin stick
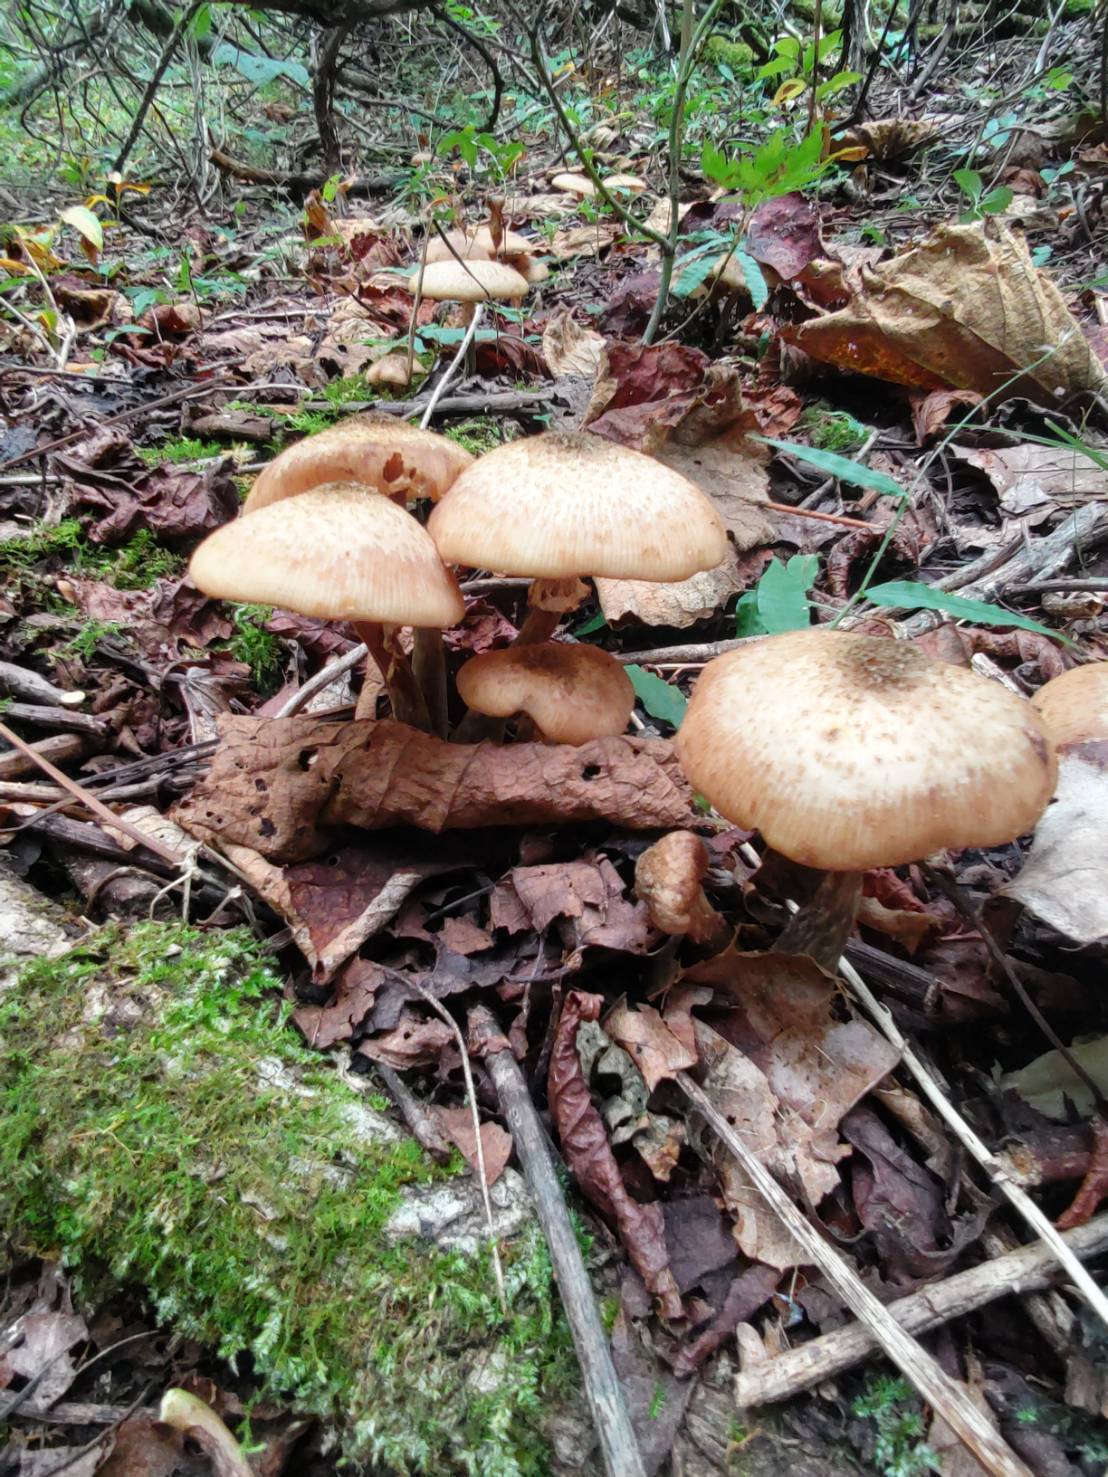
column 1028, row 1269
column 994, row 1167
column 323, row 678
column 471, row 1097
column 801, row 512
column 618, row 1445
column 946, row 1397
column 90, row 802
column 463, row 348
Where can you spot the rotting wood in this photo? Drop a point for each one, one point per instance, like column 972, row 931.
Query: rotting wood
column 1028, row 1269
column 947, row 1397
column 60, row 747
column 601, row 1383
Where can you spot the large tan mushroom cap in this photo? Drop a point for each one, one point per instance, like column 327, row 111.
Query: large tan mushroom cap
column 630, row 183
column 849, row 752
column 1074, row 706
column 511, row 243
column 571, row 693
column 474, row 282
column 574, row 184
column 399, row 460
column 339, row 552
column 463, row 244
column 564, row 504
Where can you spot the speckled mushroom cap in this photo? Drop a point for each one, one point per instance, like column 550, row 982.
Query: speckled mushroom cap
column 849, row 751
column 572, row 693
column 564, row 504
column 1074, row 706
column 396, row 459
column 472, row 282
column 339, row 552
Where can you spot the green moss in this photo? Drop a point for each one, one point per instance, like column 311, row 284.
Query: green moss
column 258, row 648
column 479, row 434
column 832, row 430
column 161, row 1125
column 182, row 449
column 735, row 54
column 134, row 565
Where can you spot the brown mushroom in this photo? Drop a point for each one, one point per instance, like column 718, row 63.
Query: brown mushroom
column 668, row 878
column 571, row 693
column 849, row 752
column 1074, row 706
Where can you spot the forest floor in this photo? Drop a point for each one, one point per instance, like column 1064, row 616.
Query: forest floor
column 236, row 1146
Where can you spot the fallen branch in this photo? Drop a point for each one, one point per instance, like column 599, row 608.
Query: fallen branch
column 299, row 180
column 1028, row 1269
column 947, row 1397
column 601, row 1384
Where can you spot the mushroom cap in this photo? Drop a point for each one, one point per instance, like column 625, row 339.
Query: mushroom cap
column 573, row 693
column 511, row 243
column 395, row 458
column 727, row 271
column 534, row 270
column 339, row 552
column 1074, row 706
column 474, row 282
column 851, row 751
column 668, row 877
column 464, row 245
column 629, row 182
column 574, row 184
column 572, row 503
column 390, row 369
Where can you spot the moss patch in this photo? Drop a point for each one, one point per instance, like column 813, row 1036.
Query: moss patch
column 162, row 1125
column 479, row 434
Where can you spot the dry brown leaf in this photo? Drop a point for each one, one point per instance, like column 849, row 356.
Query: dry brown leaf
column 679, row 604
column 581, row 240
column 649, row 1042
column 570, row 349
column 416, row 1041
column 496, row 1142
column 286, row 786
column 888, row 138
column 734, row 479
column 964, row 310
column 908, row 928
column 589, row 893
column 1062, row 880
column 1028, row 478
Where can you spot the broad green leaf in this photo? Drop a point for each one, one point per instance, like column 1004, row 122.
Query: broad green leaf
column 84, row 223
column 782, row 594
column 660, row 699
column 201, row 26
column 759, row 291
column 913, row 595
column 837, row 466
column 691, row 271
column 997, row 200
column 593, row 624
column 969, row 182
column 259, row 69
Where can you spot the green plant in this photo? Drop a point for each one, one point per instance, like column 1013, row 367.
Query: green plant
column 258, row 648
column 799, row 64
column 84, row 643
column 178, row 450
column 779, row 602
column 832, row 430
column 776, row 167
column 899, row 1446
column 981, row 204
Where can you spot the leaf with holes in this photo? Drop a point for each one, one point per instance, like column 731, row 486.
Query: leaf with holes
column 660, row 699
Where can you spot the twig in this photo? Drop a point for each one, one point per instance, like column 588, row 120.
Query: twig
column 158, row 73
column 946, row 1397
column 601, row 1384
column 994, row 1167
column 29, row 684
column 98, row 808
column 479, row 1148
column 685, row 655
column 323, row 678
column 799, row 511
column 452, row 367
column 1028, row 1269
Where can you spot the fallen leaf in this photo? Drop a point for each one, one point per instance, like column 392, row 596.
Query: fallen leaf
column 678, row 604
column 339, row 1020
column 176, row 506
column 496, row 1142
column 732, row 473
column 416, row 1041
column 784, row 234
column 285, row 786
column 748, row 1292
column 1048, row 1081
column 174, row 319
column 649, row 1042
column 909, row 928
column 160, row 620
column 588, row 893
column 585, row 1146
column 74, row 1461
column 1062, row 878
column 570, row 349
column 932, row 412
column 38, row 1347
column 463, row 936
column 1031, row 477
column 966, row 309
column 888, row 138
column 144, row 1447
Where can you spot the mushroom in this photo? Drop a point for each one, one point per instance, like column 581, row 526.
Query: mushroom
column 566, row 504
column 1074, row 706
column 390, row 370
column 513, row 251
column 394, row 458
column 849, row 752
column 338, row 552
column 626, row 183
column 470, row 283
column 668, row 879
column 454, row 244
column 574, row 184
column 571, row 693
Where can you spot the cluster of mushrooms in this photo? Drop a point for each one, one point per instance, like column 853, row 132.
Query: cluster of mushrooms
column 845, row 751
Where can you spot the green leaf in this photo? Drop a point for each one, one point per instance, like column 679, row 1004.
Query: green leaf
column 838, row 466
column 969, row 182
column 201, row 26
column 997, row 200
column 259, row 69
column 660, row 699
column 81, row 218
column 782, row 594
column 691, row 271
column 914, row 595
column 759, row 290
column 593, row 624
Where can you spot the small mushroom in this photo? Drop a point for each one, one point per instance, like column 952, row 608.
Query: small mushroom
column 390, row 370
column 668, row 878
column 629, row 184
column 564, row 505
column 574, row 184
column 1074, row 706
column 849, row 752
column 394, row 458
column 571, row 693
column 338, row 552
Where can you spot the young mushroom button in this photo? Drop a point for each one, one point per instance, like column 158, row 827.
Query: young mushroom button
column 667, row 879
column 571, row 693
column 849, row 752
column 1074, row 706
column 563, row 505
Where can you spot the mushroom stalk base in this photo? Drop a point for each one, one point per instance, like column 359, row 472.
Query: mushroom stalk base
column 822, row 926
column 404, row 694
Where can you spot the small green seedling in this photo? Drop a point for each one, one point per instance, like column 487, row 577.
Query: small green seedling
column 981, row 203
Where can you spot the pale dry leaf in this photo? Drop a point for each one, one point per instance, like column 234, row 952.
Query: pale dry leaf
column 735, row 481
column 678, row 604
column 1030, row 476
column 649, row 1042
column 1062, row 879
column 496, row 1142
column 578, row 241
column 38, row 1347
column 965, row 309
column 1048, row 1081
column 570, row 349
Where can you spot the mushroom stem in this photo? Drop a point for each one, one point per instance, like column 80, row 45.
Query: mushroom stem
column 548, row 600
column 822, row 926
column 405, row 697
column 429, row 671
column 538, row 626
